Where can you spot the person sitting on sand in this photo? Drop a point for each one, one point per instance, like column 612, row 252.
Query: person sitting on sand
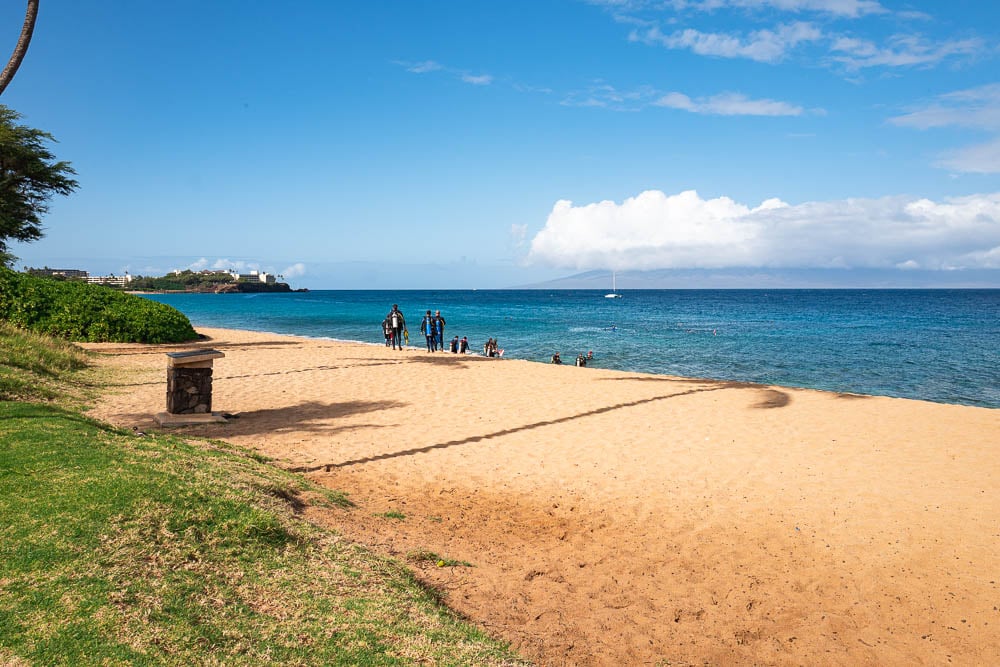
column 398, row 325
column 556, row 359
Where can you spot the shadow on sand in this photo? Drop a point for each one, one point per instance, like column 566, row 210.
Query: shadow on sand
column 771, row 399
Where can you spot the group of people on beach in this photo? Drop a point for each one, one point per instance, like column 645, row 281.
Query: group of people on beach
column 431, row 326
column 581, row 360
column 491, row 349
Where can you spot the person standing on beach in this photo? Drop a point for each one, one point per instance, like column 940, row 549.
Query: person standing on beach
column 454, row 345
column 427, row 327
column 387, row 331
column 439, row 330
column 398, row 325
column 463, row 345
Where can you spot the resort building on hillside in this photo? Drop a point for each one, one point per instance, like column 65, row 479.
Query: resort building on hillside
column 65, row 273
column 78, row 274
column 254, row 277
column 117, row 281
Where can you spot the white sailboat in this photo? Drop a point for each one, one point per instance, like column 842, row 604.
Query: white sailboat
column 614, row 289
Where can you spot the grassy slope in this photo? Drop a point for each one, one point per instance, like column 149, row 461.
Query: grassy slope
column 123, row 549
column 36, row 367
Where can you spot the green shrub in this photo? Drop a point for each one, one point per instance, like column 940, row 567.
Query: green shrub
column 93, row 313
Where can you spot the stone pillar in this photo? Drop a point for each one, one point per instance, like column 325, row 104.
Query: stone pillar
column 189, row 388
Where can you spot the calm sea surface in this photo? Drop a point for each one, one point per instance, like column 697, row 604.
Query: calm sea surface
column 937, row 345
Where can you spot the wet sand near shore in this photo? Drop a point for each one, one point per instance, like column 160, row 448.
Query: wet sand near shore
column 616, row 518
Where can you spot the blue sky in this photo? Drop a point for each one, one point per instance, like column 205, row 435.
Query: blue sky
column 418, row 144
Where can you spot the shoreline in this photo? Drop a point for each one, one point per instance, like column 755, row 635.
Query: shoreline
column 906, row 349
column 619, row 518
column 415, row 348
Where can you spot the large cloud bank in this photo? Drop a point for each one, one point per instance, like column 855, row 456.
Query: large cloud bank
column 683, row 231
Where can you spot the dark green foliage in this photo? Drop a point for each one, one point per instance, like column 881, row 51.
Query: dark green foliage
column 81, row 312
column 29, row 177
column 185, row 280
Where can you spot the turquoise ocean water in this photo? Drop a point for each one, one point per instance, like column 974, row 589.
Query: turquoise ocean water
column 937, row 345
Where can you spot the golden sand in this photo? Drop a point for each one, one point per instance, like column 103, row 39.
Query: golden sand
column 618, row 518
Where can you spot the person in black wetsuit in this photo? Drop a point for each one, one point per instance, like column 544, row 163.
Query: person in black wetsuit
column 427, row 327
column 398, row 325
column 439, row 330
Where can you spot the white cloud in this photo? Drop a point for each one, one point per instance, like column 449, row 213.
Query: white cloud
column 296, row 270
column 840, row 8
column 973, row 107
column 655, row 231
column 723, row 104
column 219, row 265
column 421, row 67
column 976, row 108
column 433, row 66
column 223, row 264
column 976, row 159
column 772, row 46
column 989, row 259
column 845, row 51
column 604, row 95
column 478, row 80
column 728, row 104
column 761, row 45
column 518, row 234
column 900, row 51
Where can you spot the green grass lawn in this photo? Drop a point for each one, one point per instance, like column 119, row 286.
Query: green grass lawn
column 122, row 549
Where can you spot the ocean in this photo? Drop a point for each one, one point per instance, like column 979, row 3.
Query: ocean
column 936, row 345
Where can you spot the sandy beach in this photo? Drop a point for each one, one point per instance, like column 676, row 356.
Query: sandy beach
column 617, row 518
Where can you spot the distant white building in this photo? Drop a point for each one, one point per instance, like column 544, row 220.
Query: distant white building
column 254, row 277
column 118, row 281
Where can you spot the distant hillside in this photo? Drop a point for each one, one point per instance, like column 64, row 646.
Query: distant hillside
column 206, row 281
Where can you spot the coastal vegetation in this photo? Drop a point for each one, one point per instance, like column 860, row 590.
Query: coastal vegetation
column 120, row 547
column 81, row 312
column 203, row 281
column 183, row 281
